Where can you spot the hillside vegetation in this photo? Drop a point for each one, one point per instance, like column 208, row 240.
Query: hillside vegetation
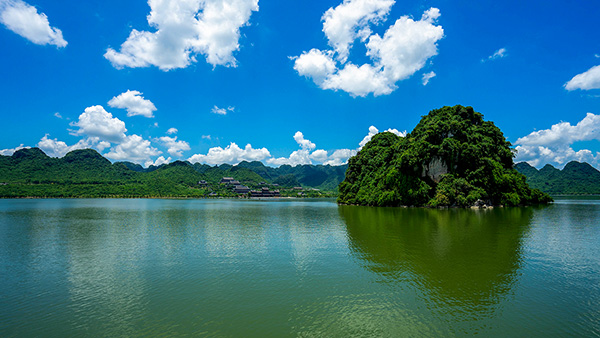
column 574, row 179
column 86, row 173
column 452, row 158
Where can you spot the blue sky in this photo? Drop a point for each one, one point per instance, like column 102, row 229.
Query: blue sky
column 221, row 81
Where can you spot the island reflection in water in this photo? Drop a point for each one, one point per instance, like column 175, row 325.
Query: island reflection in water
column 454, row 258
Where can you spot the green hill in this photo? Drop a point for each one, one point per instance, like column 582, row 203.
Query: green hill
column 323, row 177
column 574, row 179
column 452, row 158
column 86, row 173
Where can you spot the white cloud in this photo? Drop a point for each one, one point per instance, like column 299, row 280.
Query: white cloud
column 134, row 102
column 554, row 145
column 359, row 81
column 565, row 133
column 100, row 145
column 306, row 155
column 427, row 77
column 184, row 29
column 25, row 20
column 315, row 64
column 300, row 156
column 222, row 111
column 407, row 45
column 95, row 121
column 297, row 157
column 340, row 157
column 174, row 147
column 499, row 54
column 133, row 148
column 159, row 161
column 302, row 142
column 57, row 114
column 373, row 131
column 319, row 155
column 587, row 80
column 558, row 156
column 56, row 148
column 232, row 154
column 402, row 51
column 350, row 20
column 9, row 152
column 172, row 131
column 207, row 137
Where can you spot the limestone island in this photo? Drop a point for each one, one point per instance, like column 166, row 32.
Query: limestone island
column 453, row 158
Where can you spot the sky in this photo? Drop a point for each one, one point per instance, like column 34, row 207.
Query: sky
column 294, row 81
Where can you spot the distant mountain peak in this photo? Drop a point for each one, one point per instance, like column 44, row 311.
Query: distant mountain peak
column 87, row 156
column 29, row 153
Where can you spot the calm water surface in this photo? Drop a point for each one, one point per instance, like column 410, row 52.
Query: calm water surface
column 304, row 268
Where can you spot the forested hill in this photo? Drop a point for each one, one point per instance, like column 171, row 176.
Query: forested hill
column 574, row 179
column 86, row 173
column 453, row 157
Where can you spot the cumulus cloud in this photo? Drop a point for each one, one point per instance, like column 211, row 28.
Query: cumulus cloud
column 587, row 80
column 133, row 148
column 222, row 111
column 174, row 147
column 57, row 114
column 427, row 77
column 340, row 156
column 134, row 103
column 319, row 155
column 97, row 122
column 25, row 20
column 315, row 64
column 554, row 145
column 374, row 131
column 350, row 20
column 56, row 148
column 206, row 137
column 9, row 152
column 307, row 155
column 185, row 29
column 172, row 131
column 300, row 156
column 232, row 154
column 500, row 53
column 302, row 142
column 402, row 51
column 159, row 161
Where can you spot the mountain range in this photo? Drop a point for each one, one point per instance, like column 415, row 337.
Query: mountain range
column 85, row 173
column 575, row 178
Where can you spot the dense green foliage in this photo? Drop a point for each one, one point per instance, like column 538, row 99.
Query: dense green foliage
column 575, row 179
column 323, row 177
column 85, row 173
column 287, row 180
column 452, row 158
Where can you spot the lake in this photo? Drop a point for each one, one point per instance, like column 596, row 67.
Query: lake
column 308, row 268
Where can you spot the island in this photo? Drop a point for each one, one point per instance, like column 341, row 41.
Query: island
column 452, row 158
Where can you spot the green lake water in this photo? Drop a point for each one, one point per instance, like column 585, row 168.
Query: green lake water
column 286, row 268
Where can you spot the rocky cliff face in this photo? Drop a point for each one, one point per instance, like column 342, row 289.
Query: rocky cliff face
column 435, row 169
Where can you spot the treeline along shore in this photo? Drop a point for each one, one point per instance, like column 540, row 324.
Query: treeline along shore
column 452, row 158
column 87, row 174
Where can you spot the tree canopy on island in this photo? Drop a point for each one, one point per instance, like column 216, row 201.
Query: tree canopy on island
column 452, row 158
